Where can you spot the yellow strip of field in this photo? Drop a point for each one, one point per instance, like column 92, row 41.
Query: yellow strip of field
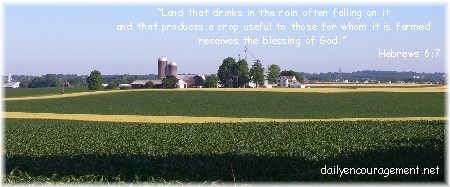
column 340, row 84
column 184, row 119
column 299, row 90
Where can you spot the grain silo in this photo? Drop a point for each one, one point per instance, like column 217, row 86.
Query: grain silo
column 162, row 63
column 172, row 69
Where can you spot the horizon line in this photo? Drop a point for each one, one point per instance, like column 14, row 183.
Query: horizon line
column 216, row 73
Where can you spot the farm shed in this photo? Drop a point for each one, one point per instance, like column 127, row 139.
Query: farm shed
column 124, row 86
column 141, row 83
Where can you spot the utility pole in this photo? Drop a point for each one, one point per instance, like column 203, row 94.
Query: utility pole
column 340, row 76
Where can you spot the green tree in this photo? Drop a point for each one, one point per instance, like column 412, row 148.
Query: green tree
column 94, row 80
column 293, row 73
column 211, row 81
column 111, row 86
column 52, row 81
column 74, row 81
column 120, row 80
column 274, row 73
column 257, row 73
column 24, row 84
column 198, row 81
column 169, row 82
column 225, row 72
column 46, row 81
column 241, row 73
column 326, row 79
column 149, row 84
column 37, row 82
column 131, row 79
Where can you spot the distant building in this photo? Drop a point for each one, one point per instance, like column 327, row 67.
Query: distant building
column 67, row 84
column 125, row 86
column 188, row 80
column 288, row 82
column 311, row 81
column 306, row 81
column 181, row 84
column 11, row 85
column 171, row 69
column 141, row 83
column 165, row 68
column 162, row 63
column 265, row 84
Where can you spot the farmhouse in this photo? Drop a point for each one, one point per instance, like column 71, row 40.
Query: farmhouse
column 186, row 80
column 252, row 84
column 288, row 82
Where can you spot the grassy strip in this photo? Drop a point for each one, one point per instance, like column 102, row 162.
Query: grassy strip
column 56, row 150
column 244, row 104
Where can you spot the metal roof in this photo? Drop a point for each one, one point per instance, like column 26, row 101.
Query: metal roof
column 287, row 77
column 142, row 82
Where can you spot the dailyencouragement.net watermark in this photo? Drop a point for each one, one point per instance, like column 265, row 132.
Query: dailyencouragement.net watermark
column 336, row 170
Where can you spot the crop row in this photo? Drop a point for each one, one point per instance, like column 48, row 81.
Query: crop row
column 244, row 104
column 56, row 150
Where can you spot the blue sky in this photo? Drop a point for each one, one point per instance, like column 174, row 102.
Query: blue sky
column 76, row 39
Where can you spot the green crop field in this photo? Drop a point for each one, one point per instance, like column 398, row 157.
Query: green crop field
column 24, row 92
column 244, row 104
column 74, row 151
column 96, row 152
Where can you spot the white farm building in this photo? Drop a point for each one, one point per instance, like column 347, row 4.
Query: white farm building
column 12, row 85
column 289, row 82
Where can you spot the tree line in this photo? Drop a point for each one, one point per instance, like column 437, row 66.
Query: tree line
column 231, row 74
column 382, row 76
column 57, row 80
column 234, row 74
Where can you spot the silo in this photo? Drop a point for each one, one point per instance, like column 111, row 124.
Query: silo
column 172, row 69
column 162, row 63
